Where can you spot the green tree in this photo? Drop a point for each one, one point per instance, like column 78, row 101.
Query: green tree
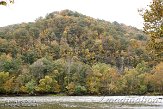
column 11, row 66
column 134, row 82
column 41, row 67
column 30, row 86
column 142, row 67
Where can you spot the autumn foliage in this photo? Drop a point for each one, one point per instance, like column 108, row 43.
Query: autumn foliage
column 67, row 52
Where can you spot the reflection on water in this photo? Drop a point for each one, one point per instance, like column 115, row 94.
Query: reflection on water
column 84, row 102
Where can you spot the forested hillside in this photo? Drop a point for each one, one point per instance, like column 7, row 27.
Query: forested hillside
column 67, row 52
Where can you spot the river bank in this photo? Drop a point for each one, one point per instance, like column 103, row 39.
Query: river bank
column 83, row 101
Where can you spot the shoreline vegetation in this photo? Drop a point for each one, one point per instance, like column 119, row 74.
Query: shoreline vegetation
column 53, row 95
column 67, row 52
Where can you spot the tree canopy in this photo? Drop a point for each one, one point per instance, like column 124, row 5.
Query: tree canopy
column 68, row 52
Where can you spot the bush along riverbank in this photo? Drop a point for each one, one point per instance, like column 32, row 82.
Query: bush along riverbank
column 100, row 79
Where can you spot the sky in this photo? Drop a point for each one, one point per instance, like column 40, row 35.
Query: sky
column 122, row 11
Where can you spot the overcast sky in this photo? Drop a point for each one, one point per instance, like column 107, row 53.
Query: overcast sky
column 122, row 11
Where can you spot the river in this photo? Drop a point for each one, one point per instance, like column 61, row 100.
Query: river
column 82, row 102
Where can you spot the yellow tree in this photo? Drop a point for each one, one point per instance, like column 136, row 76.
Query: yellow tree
column 153, row 26
column 47, row 84
column 9, row 85
column 157, row 77
column 3, row 78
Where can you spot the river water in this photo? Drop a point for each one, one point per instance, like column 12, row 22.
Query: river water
column 82, row 102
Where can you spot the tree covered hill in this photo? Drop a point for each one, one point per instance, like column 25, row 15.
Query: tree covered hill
column 76, row 54
column 90, row 40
